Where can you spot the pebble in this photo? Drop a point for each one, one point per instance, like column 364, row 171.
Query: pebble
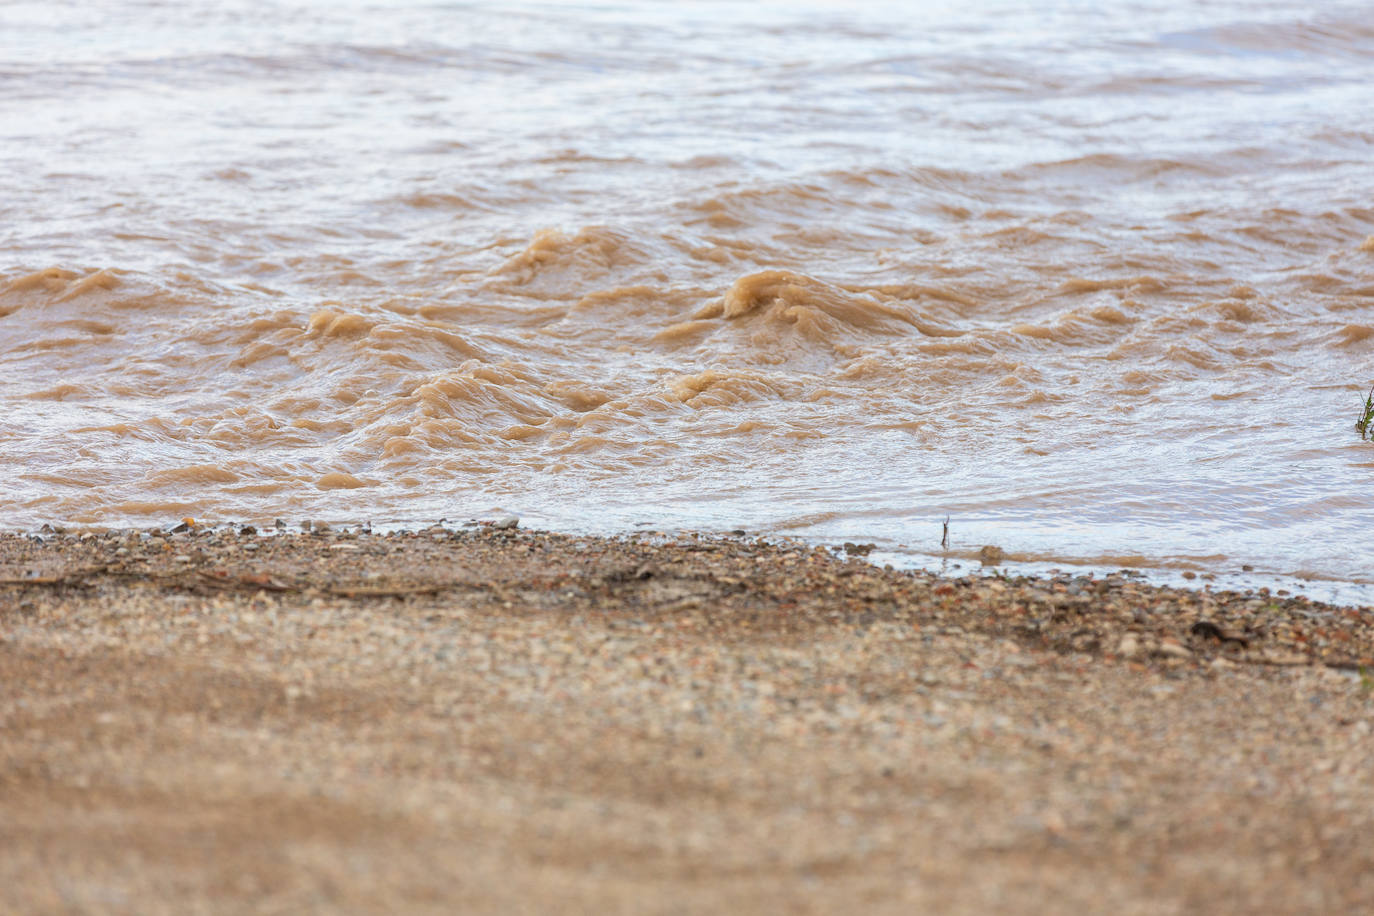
column 1171, row 648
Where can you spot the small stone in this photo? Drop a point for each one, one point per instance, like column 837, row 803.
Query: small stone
column 991, row 555
column 505, row 523
column 1129, row 646
column 1172, row 648
column 1286, row 659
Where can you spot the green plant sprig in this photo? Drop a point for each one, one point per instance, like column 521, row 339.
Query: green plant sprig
column 1362, row 425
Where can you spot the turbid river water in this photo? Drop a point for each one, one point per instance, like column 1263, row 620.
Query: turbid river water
column 1095, row 280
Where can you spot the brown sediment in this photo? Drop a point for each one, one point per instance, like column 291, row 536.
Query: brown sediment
column 500, row 720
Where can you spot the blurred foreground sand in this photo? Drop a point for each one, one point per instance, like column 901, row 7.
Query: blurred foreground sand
column 514, row 722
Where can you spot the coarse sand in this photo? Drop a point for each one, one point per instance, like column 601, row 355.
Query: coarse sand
column 503, row 721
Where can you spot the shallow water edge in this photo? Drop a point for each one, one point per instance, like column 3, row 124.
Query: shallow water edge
column 1207, row 574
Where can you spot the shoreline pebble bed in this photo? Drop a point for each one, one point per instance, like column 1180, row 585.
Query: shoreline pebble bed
column 346, row 721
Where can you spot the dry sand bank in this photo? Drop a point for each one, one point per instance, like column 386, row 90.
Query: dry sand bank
column 504, row 721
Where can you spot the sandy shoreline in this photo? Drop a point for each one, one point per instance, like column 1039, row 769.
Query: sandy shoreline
column 507, row 721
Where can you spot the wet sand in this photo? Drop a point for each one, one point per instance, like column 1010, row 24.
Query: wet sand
column 504, row 721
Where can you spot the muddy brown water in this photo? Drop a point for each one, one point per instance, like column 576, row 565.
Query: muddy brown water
column 1094, row 280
